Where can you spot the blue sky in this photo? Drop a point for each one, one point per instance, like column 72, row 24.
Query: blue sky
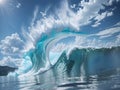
column 22, row 22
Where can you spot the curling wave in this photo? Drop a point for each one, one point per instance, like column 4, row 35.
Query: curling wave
column 76, row 61
column 89, row 61
column 37, row 60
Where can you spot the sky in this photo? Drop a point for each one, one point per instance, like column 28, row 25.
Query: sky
column 22, row 22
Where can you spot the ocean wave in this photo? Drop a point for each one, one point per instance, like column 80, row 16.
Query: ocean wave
column 75, row 60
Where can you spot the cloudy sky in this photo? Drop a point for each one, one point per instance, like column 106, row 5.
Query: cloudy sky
column 22, row 22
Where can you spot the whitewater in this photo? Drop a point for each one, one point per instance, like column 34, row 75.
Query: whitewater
column 57, row 55
column 42, row 58
column 71, row 68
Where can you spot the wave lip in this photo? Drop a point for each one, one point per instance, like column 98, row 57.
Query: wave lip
column 74, row 60
column 89, row 61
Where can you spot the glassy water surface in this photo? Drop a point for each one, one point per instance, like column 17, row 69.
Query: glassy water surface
column 51, row 81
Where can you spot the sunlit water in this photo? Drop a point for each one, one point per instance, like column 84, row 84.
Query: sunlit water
column 52, row 80
column 97, row 69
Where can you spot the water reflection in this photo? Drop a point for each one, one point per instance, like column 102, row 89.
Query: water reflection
column 52, row 80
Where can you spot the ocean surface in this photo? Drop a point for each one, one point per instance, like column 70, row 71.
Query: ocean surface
column 82, row 69
column 66, row 45
column 52, row 80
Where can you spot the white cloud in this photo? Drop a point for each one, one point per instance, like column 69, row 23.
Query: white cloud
column 101, row 17
column 79, row 40
column 34, row 16
column 59, row 47
column 73, row 6
column 111, row 1
column 65, row 17
column 11, row 49
column 83, row 41
column 90, row 10
column 11, row 45
column 62, row 17
column 45, row 12
column 86, row 41
column 108, row 32
column 117, row 24
column 93, row 42
column 9, row 61
column 18, row 5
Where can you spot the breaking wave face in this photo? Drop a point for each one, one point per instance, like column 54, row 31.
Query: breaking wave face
column 39, row 60
column 73, row 60
column 94, row 56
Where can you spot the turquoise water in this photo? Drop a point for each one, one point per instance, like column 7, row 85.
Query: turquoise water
column 72, row 68
column 93, row 69
column 52, row 80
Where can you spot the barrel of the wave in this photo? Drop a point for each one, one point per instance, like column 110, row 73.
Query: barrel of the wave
column 40, row 55
column 39, row 59
column 93, row 61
